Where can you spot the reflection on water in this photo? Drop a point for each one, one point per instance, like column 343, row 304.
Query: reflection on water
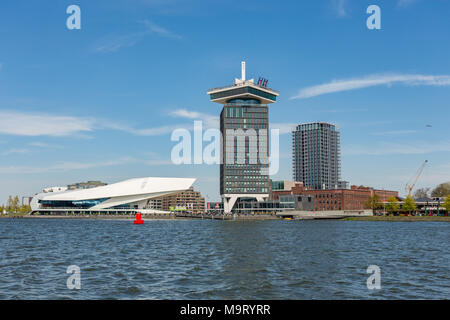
column 223, row 259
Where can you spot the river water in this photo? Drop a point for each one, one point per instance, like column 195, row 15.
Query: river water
column 204, row 259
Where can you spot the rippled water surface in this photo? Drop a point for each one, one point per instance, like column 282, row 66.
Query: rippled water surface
column 206, row 259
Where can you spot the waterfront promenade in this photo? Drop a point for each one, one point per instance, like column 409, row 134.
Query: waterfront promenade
column 251, row 217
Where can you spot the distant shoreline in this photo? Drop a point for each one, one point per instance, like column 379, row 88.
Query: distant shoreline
column 239, row 218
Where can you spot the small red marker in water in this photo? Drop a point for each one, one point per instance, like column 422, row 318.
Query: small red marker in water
column 138, row 219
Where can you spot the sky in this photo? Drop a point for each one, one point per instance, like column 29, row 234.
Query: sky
column 101, row 102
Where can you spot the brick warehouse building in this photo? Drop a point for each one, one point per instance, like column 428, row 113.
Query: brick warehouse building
column 354, row 198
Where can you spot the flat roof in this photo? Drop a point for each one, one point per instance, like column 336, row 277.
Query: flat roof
column 245, row 89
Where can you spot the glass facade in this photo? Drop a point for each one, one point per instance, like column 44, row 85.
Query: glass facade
column 84, row 204
column 244, row 126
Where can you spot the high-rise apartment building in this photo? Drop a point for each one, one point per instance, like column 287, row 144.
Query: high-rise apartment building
column 244, row 125
column 316, row 155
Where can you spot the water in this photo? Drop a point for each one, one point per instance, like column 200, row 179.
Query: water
column 206, row 259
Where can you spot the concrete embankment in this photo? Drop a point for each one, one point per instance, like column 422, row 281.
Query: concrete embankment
column 157, row 216
column 317, row 215
column 401, row 218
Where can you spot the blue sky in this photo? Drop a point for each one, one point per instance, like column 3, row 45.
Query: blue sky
column 100, row 103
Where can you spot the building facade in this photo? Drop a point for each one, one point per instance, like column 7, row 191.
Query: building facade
column 354, row 198
column 126, row 197
column 244, row 125
column 189, row 201
column 316, row 155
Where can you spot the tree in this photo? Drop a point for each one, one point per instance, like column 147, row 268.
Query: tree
column 16, row 206
column 2, row 208
column 422, row 193
column 373, row 202
column 409, row 205
column 24, row 209
column 441, row 190
column 12, row 206
column 392, row 205
column 446, row 204
column 9, row 204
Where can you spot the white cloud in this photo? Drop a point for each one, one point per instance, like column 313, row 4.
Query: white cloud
column 63, row 166
column 406, row 3
column 70, row 165
column 14, row 151
column 394, row 132
column 391, row 148
column 340, row 7
column 211, row 121
column 38, row 144
column 113, row 43
column 371, row 81
column 34, row 125
column 26, row 124
column 153, row 28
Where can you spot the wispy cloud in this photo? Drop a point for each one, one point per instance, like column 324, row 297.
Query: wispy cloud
column 153, row 28
column 340, row 7
column 70, row 166
column 406, row 3
column 113, row 43
column 394, row 132
column 399, row 148
column 344, row 110
column 34, row 125
column 39, row 144
column 63, row 166
column 154, row 131
column 27, row 124
column 371, row 81
column 14, row 151
column 210, row 121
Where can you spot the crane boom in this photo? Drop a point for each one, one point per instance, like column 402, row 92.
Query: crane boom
column 410, row 188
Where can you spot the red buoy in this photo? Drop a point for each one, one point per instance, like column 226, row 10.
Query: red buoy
column 138, row 219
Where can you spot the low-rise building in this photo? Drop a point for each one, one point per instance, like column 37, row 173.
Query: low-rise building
column 354, row 198
column 190, row 201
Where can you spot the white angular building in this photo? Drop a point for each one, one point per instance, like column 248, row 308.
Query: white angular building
column 128, row 196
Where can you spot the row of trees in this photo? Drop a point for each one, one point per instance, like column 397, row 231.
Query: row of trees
column 13, row 206
column 442, row 190
column 393, row 206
